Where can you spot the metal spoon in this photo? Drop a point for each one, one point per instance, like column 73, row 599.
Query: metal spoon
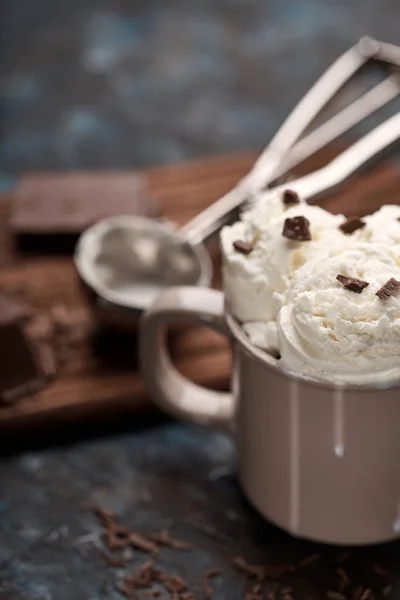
column 127, row 260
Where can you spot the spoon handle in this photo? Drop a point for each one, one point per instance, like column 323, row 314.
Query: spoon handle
column 278, row 156
column 366, row 149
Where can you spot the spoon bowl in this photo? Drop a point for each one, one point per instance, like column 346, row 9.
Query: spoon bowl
column 127, row 260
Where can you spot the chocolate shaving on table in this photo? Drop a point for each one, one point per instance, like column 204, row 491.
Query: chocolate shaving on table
column 28, row 365
column 260, row 572
column 163, row 538
column 117, row 537
column 352, row 284
column 208, row 575
column 105, row 515
column 344, row 579
column 113, row 561
column 286, row 590
column 175, row 585
column 308, row 560
column 387, row 590
column 367, row 595
column 243, row 247
column 390, row 288
column 297, row 229
column 252, row 571
column 356, row 595
column 141, row 543
column 379, row 570
column 146, row 575
column 332, row 595
column 290, row 198
column 351, row 225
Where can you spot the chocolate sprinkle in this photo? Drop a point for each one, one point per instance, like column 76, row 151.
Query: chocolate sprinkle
column 208, row 576
column 352, row 284
column 367, row 595
column 332, row 595
column 260, row 572
column 297, row 229
column 256, row 571
column 113, row 561
column 242, row 247
column 352, row 224
column 106, row 516
column 290, row 198
column 387, row 590
column 390, row 288
column 379, row 570
column 311, row 558
column 163, row 538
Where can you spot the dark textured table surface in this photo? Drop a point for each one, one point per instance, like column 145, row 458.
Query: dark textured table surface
column 104, row 83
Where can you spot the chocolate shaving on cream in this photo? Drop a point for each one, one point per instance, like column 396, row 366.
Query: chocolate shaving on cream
column 390, row 288
column 243, row 247
column 297, row 229
column 290, row 198
column 352, row 284
column 352, row 224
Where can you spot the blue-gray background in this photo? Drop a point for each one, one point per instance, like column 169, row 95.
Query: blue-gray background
column 94, row 83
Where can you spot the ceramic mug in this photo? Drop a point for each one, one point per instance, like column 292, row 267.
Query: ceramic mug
column 320, row 461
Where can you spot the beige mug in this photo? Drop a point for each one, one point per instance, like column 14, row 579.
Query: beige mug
column 320, row 461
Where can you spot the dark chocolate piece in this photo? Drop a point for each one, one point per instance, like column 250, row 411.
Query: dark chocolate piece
column 352, row 224
column 68, row 203
column 352, row 284
column 21, row 372
column 297, row 229
column 290, row 198
column 12, row 310
column 243, row 247
column 390, row 288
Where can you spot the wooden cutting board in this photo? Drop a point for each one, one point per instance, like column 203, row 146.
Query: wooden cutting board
column 98, row 376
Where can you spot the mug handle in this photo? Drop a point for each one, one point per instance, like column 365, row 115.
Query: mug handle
column 172, row 391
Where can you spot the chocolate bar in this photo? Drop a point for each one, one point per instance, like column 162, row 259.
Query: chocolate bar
column 21, row 373
column 70, row 202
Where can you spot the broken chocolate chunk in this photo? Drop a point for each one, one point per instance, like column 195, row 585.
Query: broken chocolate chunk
column 352, row 224
column 290, row 198
column 47, row 203
column 352, row 284
column 243, row 247
column 390, row 288
column 297, row 229
column 12, row 310
column 22, row 370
